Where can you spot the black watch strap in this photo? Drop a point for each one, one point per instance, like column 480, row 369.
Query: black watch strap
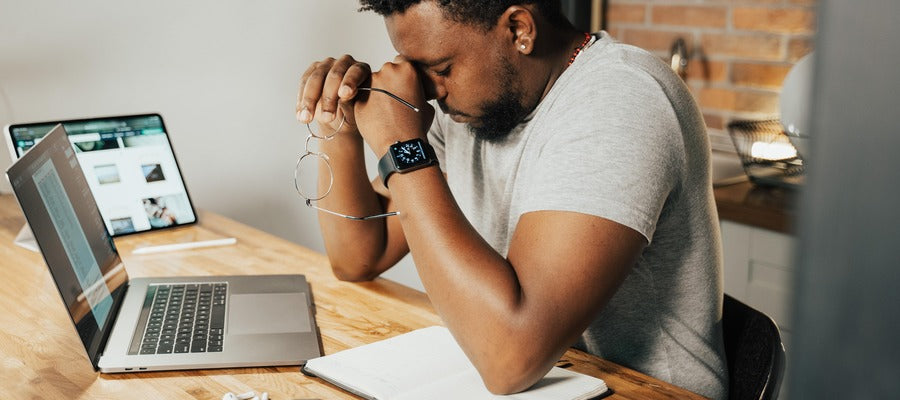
column 386, row 167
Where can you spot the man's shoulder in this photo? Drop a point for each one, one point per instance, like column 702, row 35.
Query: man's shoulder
column 615, row 81
column 609, row 51
column 621, row 82
column 609, row 61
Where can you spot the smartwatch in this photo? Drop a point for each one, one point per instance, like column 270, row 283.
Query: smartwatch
column 403, row 157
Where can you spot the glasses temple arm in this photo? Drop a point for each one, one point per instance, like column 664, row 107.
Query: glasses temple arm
column 383, row 215
column 393, row 96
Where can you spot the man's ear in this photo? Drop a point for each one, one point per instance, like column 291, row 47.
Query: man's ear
column 520, row 22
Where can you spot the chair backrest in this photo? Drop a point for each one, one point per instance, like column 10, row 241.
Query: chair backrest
column 754, row 352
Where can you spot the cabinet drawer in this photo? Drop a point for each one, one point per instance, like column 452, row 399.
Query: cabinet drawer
column 736, row 259
column 771, row 247
column 769, row 290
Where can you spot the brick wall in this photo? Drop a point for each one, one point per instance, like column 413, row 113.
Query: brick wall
column 740, row 50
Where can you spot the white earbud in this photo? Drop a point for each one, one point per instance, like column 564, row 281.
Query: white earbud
column 246, row 396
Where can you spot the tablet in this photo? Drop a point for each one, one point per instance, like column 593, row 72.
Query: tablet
column 130, row 167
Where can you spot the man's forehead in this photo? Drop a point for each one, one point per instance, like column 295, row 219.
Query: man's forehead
column 424, row 35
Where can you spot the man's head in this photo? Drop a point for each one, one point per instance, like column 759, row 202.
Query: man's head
column 479, row 13
column 481, row 60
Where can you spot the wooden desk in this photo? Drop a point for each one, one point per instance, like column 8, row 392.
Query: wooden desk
column 43, row 358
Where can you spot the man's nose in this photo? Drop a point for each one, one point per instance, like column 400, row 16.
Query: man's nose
column 434, row 89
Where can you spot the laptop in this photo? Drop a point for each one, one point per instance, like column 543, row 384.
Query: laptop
column 151, row 324
column 130, row 167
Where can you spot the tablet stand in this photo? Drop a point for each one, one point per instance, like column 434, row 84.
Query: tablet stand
column 25, row 239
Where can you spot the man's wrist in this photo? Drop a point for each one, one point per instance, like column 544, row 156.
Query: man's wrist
column 405, row 156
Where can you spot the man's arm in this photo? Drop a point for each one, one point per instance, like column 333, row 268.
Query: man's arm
column 513, row 317
column 357, row 250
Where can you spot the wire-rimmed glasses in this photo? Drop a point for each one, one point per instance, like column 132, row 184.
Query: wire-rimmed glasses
column 321, row 158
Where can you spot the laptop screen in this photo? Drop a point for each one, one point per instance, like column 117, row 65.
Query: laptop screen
column 60, row 208
column 129, row 165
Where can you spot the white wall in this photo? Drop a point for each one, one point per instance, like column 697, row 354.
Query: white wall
column 223, row 74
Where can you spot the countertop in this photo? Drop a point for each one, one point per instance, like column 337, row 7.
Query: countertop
column 760, row 206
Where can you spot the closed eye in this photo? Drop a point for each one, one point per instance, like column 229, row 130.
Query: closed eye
column 443, row 72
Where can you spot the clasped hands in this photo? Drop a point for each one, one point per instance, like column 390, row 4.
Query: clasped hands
column 329, row 95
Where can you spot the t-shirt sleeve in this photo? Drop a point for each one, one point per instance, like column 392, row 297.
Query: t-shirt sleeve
column 612, row 152
column 436, row 137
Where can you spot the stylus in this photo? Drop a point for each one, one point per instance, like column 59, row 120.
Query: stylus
column 184, row 246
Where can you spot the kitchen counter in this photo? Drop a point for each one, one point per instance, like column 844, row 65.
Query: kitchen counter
column 759, row 206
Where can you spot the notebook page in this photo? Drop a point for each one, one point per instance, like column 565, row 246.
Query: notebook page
column 389, row 367
column 428, row 363
column 557, row 384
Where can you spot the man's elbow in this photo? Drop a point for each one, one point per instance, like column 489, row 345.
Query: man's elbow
column 512, row 377
column 355, row 273
column 505, row 386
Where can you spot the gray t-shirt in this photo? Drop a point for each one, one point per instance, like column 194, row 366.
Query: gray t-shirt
column 620, row 137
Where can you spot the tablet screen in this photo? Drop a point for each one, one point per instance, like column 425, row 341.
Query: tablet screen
column 129, row 165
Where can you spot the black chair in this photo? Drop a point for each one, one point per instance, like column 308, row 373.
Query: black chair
column 754, row 350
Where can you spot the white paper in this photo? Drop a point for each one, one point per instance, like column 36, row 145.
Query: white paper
column 429, row 364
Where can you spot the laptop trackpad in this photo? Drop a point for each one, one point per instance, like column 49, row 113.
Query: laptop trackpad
column 268, row 313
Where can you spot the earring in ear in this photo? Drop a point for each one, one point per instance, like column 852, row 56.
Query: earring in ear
column 522, row 47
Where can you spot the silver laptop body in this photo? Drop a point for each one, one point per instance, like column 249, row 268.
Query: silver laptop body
column 244, row 321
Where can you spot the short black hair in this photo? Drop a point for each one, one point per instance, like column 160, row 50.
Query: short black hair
column 483, row 14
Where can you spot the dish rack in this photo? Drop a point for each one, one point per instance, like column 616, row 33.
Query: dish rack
column 766, row 153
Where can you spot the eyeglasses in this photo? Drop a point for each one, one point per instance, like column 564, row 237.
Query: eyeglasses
column 321, row 158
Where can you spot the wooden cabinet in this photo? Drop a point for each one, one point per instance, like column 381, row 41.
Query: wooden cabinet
column 759, row 270
column 758, row 246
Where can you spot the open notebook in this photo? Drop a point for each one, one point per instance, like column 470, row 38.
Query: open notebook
column 429, row 364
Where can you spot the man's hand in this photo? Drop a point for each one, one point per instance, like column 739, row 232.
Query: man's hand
column 327, row 88
column 382, row 120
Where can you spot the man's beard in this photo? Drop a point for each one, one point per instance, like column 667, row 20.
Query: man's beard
column 501, row 115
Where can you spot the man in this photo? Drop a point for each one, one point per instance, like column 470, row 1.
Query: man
column 571, row 202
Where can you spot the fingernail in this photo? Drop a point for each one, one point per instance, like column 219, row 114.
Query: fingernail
column 304, row 116
column 328, row 116
column 344, row 91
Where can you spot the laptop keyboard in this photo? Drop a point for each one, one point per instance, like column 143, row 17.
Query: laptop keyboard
column 182, row 318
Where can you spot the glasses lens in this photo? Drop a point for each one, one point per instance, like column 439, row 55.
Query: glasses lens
column 306, row 177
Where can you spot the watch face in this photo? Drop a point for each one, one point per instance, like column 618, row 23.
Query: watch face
column 408, row 154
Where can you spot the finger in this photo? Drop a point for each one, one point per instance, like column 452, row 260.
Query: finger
column 333, row 79
column 299, row 107
column 312, row 89
column 303, row 78
column 345, row 111
column 326, row 128
column 355, row 76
